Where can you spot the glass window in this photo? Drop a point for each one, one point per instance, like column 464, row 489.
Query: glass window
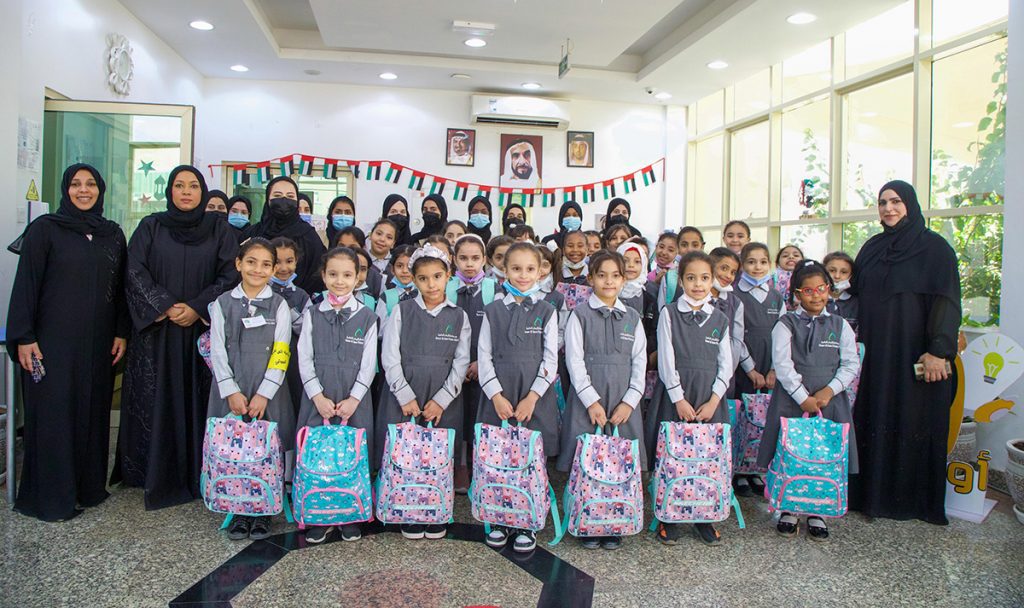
column 748, row 171
column 878, row 134
column 805, row 161
column 855, row 234
column 978, row 241
column 708, row 190
column 711, row 111
column 968, row 127
column 880, row 41
column 951, row 18
column 812, row 239
column 752, row 95
column 807, row 72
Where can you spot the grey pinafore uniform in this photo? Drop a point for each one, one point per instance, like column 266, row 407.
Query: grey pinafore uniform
column 297, row 299
column 696, row 348
column 470, row 299
column 428, row 346
column 815, row 353
column 758, row 320
column 728, row 307
column 517, row 345
column 847, row 309
column 248, row 355
column 608, row 353
column 338, row 345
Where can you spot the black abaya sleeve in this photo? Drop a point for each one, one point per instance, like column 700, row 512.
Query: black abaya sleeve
column 147, row 300
column 308, row 270
column 28, row 282
column 943, row 327
column 227, row 275
column 122, row 320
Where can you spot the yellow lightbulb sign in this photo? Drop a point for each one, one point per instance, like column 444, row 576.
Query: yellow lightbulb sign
column 993, row 363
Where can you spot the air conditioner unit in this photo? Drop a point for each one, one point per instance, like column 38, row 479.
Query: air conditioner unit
column 520, row 111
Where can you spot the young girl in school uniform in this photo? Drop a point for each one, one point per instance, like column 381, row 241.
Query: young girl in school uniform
column 402, row 287
column 518, row 365
column 816, row 359
column 425, row 355
column 762, row 307
column 736, row 235
column 380, row 243
column 574, row 258
column 664, row 259
column 606, row 351
column 694, row 366
column 785, row 261
column 496, row 249
column 840, row 267
column 247, row 325
column 363, row 292
column 337, row 361
column 283, row 284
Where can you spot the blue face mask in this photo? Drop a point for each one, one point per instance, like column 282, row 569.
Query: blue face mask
column 285, row 283
column 479, row 220
column 306, row 217
column 400, row 285
column 756, row 282
column 342, row 222
column 519, row 294
column 238, row 220
column 571, row 223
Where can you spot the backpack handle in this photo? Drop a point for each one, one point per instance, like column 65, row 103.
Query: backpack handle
column 598, row 430
column 344, row 421
column 807, row 414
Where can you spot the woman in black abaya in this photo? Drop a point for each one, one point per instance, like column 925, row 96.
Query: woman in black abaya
column 434, row 211
column 396, row 209
column 340, row 215
column 618, row 212
column 179, row 261
column 909, row 291
column 280, row 217
column 479, row 222
column 570, row 219
column 512, row 216
column 68, row 311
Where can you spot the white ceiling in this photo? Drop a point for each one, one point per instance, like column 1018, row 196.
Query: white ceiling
column 621, row 47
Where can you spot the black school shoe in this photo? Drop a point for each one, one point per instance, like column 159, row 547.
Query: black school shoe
column 741, row 487
column 239, row 528
column 788, row 525
column 525, row 541
column 412, row 531
column 611, row 543
column 260, row 528
column 435, row 531
column 591, row 542
column 708, row 534
column 497, row 537
column 816, row 529
column 756, row 485
column 351, row 532
column 667, row 534
column 318, row 534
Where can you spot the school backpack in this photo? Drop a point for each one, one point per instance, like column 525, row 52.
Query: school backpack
column 415, row 482
column 510, row 479
column 575, row 295
column 671, row 284
column 203, row 344
column 855, row 385
column 808, row 475
column 692, row 479
column 332, row 476
column 487, row 287
column 604, row 496
column 750, row 421
column 243, row 468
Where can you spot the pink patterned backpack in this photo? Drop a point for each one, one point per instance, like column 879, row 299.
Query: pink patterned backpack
column 604, row 496
column 510, row 479
column 750, row 421
column 415, row 482
column 574, row 294
column 692, row 480
column 243, row 468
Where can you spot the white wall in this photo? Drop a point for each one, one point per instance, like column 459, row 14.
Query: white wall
column 259, row 120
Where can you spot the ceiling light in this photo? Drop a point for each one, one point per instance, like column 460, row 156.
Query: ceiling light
column 533, row 86
column 476, row 42
column 663, row 96
column 204, row 26
column 718, row 64
column 239, row 68
column 461, row 76
column 311, row 72
column 963, row 125
column 388, row 76
column 801, row 18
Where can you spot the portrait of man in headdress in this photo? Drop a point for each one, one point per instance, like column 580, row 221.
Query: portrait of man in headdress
column 579, row 147
column 461, row 145
column 521, row 161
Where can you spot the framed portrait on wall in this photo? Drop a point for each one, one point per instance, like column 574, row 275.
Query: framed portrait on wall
column 579, row 149
column 521, row 159
column 460, row 147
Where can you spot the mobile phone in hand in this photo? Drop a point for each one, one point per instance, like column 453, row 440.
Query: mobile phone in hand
column 38, row 371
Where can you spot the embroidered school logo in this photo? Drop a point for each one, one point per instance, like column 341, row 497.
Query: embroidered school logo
column 356, row 337
column 447, row 335
column 538, row 322
column 831, row 335
column 448, row 328
column 830, row 342
column 715, row 333
column 536, row 328
column 358, row 333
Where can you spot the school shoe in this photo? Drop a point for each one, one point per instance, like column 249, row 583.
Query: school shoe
column 668, row 534
column 435, row 531
column 741, row 487
column 611, row 542
column 318, row 534
column 239, row 528
column 788, row 525
column 756, row 485
column 525, row 542
column 592, row 542
column 497, row 537
column 351, row 532
column 260, row 528
column 816, row 529
column 412, row 531
column 708, row 534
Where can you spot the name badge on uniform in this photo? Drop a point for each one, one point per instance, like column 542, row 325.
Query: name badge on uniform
column 253, row 322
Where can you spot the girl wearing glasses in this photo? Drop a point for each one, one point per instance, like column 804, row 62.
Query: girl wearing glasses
column 815, row 358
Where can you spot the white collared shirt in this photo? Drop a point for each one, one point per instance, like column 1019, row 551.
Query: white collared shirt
column 547, row 371
column 580, row 376
column 667, row 356
column 307, row 358
column 786, row 373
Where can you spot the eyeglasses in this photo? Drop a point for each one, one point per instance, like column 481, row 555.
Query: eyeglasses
column 810, row 291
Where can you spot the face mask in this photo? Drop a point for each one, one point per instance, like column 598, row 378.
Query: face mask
column 432, row 220
column 756, row 282
column 842, row 286
column 473, row 280
column 401, row 285
column 617, row 219
column 721, row 288
column 519, row 294
column 497, row 272
column 399, row 220
column 238, row 220
column 284, row 283
column 306, row 217
column 341, row 222
column 512, row 223
column 283, row 207
column 571, row 223
column 546, row 284
column 696, row 303
column 479, row 220
column 574, row 265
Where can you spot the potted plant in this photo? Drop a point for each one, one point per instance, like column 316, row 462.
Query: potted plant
column 966, row 447
column 1015, row 475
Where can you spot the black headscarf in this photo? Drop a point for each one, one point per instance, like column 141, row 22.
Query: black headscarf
column 244, row 200
column 561, row 232
column 504, row 216
column 403, row 237
column 612, row 204
column 910, row 257
column 332, row 232
column 283, row 221
column 217, row 194
column 429, row 231
column 187, row 227
column 485, row 232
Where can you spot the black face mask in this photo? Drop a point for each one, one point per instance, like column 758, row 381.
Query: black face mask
column 282, row 208
column 617, row 219
column 512, row 222
column 431, row 220
column 399, row 220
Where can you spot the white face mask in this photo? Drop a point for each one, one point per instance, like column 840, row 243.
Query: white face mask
column 842, row 286
column 546, row 284
column 721, row 288
column 696, row 303
column 574, row 265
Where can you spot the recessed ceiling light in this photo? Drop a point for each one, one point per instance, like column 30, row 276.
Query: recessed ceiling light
column 239, row 68
column 388, row 76
column 461, row 76
column 201, row 25
column 718, row 64
column 533, row 86
column 476, row 42
column 801, row 18
column 663, row 96
column 963, row 125
column 311, row 72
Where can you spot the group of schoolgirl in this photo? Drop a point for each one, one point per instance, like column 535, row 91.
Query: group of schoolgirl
column 454, row 334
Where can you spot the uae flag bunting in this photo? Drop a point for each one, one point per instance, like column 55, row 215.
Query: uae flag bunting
column 461, row 189
column 416, row 181
column 394, row 173
column 305, row 165
column 529, row 196
column 241, row 173
column 648, row 175
column 373, row 170
column 609, row 188
column 588, row 193
column 437, row 187
column 569, row 194
column 353, row 166
column 263, row 172
column 330, row 168
column 287, row 164
column 484, row 191
column 629, row 183
column 549, row 197
column 504, row 196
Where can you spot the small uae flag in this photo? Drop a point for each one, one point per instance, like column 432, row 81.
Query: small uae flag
column 569, row 194
column 529, row 196
column 629, row 183
column 609, row 188
column 461, row 188
column 263, row 171
column 241, row 174
column 353, row 166
column 504, row 196
column 484, row 191
column 373, row 170
column 416, row 181
column 330, row 168
column 648, row 174
column 549, row 197
column 588, row 193
column 305, row 165
column 394, row 173
column 287, row 164
column 437, row 187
